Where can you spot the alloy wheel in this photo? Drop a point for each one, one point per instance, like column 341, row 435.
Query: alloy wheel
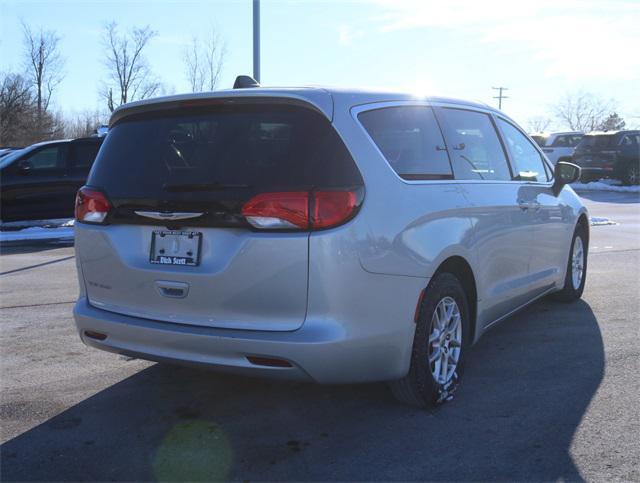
column 445, row 340
column 577, row 263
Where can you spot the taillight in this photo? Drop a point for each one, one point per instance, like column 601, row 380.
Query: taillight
column 92, row 206
column 330, row 208
column 300, row 210
column 287, row 210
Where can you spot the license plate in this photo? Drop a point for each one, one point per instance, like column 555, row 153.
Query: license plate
column 175, row 248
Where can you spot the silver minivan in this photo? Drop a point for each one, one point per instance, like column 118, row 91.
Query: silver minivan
column 327, row 235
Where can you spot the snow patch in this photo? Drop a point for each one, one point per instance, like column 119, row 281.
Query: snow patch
column 605, row 185
column 53, row 223
column 37, row 230
column 601, row 220
column 37, row 233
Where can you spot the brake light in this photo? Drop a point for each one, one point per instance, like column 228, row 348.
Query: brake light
column 300, row 210
column 92, row 206
column 287, row 210
column 330, row 208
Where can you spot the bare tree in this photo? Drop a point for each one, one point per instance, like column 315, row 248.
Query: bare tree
column 130, row 76
column 538, row 123
column 20, row 122
column 16, row 109
column 44, row 65
column 583, row 111
column 84, row 123
column 203, row 61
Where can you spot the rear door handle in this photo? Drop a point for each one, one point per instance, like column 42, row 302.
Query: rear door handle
column 524, row 206
column 174, row 290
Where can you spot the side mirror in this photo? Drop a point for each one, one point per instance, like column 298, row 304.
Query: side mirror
column 25, row 166
column 565, row 173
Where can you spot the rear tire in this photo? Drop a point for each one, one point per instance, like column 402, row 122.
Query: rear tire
column 632, row 175
column 576, row 275
column 440, row 345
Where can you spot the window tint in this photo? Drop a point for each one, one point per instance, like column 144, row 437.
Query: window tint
column 476, row 152
column 561, row 142
column 84, row 154
column 527, row 161
column 540, row 140
column 630, row 140
column 574, row 140
column 46, row 158
column 597, row 141
column 410, row 138
column 223, row 153
column 566, row 141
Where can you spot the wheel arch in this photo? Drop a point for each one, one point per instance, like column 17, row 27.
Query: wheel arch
column 461, row 269
column 584, row 221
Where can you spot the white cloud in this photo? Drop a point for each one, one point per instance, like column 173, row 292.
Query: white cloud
column 347, row 34
column 567, row 38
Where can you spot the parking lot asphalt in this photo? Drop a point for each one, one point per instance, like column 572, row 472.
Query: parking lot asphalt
column 551, row 393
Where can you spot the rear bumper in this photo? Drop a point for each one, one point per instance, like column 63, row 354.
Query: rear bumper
column 321, row 351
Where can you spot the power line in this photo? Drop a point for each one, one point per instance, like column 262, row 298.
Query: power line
column 500, row 96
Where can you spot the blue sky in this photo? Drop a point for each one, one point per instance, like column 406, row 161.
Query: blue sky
column 539, row 50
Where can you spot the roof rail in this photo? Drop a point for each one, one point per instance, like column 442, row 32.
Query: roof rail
column 244, row 82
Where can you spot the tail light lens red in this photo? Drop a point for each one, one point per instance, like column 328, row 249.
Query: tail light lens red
column 331, row 208
column 300, row 210
column 92, row 206
column 286, row 210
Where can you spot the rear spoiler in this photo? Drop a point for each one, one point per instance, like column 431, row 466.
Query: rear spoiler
column 319, row 100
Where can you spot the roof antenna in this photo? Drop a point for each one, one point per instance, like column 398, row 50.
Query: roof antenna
column 244, row 82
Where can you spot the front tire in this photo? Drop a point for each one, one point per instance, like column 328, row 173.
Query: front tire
column 576, row 266
column 586, row 177
column 439, row 347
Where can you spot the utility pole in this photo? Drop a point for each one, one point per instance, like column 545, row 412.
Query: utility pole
column 256, row 40
column 500, row 96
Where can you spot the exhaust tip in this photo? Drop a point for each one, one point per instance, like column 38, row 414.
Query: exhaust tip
column 95, row 335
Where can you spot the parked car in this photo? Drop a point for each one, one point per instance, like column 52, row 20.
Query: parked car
column 335, row 236
column 40, row 182
column 558, row 146
column 6, row 150
column 610, row 154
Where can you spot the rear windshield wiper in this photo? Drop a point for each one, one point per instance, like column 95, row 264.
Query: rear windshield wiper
column 186, row 187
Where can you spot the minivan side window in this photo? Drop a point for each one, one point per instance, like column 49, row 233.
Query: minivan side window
column 410, row 139
column 476, row 151
column 527, row 161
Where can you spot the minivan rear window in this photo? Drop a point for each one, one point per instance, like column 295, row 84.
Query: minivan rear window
column 225, row 153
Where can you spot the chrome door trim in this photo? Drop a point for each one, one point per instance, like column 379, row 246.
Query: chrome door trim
column 355, row 110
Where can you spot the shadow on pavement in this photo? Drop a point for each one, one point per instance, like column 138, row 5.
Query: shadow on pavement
column 527, row 387
column 14, row 248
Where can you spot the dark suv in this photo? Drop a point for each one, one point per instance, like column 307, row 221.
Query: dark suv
column 40, row 181
column 614, row 154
